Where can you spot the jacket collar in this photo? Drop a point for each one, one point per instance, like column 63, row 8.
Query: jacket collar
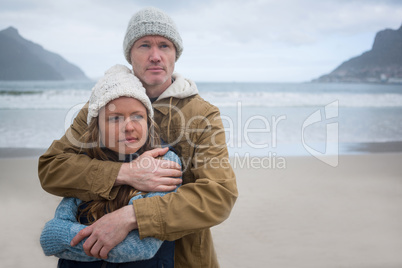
column 181, row 88
column 164, row 106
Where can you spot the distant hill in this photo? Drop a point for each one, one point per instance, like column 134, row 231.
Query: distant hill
column 382, row 64
column 21, row 59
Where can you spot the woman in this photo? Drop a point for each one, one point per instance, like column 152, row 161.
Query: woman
column 120, row 127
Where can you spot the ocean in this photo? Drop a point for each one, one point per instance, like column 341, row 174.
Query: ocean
column 260, row 119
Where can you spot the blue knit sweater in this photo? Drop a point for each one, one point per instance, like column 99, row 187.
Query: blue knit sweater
column 58, row 232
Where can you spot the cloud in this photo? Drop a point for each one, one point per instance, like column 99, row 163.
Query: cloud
column 287, row 21
column 222, row 38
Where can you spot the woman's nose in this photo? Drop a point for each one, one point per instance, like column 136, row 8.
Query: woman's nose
column 129, row 125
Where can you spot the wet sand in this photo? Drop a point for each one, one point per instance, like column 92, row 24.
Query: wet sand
column 301, row 214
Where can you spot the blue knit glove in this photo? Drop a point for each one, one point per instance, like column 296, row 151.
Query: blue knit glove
column 58, row 232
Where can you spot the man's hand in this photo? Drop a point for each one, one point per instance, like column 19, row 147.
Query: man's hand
column 149, row 174
column 107, row 232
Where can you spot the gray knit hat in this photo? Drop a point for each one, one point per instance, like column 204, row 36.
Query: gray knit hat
column 117, row 82
column 151, row 21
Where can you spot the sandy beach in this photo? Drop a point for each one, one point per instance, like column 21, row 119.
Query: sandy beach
column 301, row 214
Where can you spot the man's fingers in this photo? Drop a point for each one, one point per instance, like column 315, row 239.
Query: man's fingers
column 171, row 173
column 144, row 162
column 103, row 253
column 173, row 182
column 165, row 188
column 167, row 164
column 168, row 183
column 88, row 245
column 95, row 250
column 80, row 236
column 148, row 173
column 163, row 163
column 157, row 152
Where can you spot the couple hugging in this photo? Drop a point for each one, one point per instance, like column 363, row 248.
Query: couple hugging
column 129, row 200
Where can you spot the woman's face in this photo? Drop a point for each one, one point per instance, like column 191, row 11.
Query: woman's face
column 123, row 125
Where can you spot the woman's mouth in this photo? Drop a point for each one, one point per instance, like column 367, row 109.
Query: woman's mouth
column 130, row 140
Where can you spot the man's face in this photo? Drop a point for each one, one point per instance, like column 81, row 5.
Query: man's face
column 153, row 59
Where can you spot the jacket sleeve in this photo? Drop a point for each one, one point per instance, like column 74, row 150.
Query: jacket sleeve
column 58, row 232
column 65, row 171
column 199, row 205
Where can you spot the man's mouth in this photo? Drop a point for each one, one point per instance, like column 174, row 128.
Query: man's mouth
column 155, row 68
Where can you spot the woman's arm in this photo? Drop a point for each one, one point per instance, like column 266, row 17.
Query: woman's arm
column 58, row 233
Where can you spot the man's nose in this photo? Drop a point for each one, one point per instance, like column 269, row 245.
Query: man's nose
column 155, row 55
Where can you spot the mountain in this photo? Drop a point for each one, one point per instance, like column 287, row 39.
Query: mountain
column 21, row 59
column 382, row 64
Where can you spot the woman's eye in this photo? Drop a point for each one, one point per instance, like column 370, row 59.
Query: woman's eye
column 115, row 118
column 137, row 117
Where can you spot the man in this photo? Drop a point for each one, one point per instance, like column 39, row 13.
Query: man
column 191, row 125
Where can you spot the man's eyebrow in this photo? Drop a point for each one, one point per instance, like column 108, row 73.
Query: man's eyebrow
column 144, row 41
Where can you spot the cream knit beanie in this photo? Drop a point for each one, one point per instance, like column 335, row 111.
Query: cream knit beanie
column 151, row 21
column 117, row 82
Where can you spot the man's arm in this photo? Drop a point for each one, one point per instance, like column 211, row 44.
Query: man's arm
column 111, row 229
column 204, row 203
column 151, row 174
column 65, row 171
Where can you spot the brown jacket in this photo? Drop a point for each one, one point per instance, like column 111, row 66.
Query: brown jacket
column 194, row 128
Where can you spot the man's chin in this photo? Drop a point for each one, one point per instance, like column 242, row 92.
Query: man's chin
column 156, row 81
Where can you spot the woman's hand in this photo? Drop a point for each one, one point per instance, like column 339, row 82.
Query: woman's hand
column 107, row 232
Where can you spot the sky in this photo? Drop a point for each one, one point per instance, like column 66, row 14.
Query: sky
column 224, row 40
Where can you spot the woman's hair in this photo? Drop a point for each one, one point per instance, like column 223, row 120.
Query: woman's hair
column 93, row 210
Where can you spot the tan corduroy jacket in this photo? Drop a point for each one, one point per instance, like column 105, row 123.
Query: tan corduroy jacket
column 194, row 128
